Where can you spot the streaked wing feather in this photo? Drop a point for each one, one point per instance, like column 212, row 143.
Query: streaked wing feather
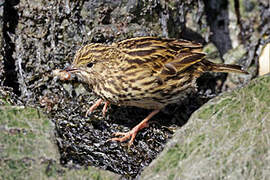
column 183, row 62
column 166, row 57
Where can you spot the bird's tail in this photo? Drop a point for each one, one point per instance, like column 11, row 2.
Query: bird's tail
column 224, row 67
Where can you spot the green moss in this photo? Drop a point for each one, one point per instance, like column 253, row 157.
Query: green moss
column 235, row 122
column 262, row 92
column 27, row 151
column 228, row 137
column 172, row 156
column 171, row 176
column 223, row 103
column 179, row 153
column 207, row 112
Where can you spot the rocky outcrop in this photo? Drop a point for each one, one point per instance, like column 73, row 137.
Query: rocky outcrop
column 226, row 138
column 28, row 149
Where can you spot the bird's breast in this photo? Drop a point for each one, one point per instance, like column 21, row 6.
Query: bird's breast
column 142, row 89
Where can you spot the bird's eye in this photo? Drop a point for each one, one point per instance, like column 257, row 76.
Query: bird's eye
column 90, row 65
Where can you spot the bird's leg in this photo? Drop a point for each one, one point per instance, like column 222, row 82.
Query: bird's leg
column 104, row 110
column 93, row 107
column 132, row 133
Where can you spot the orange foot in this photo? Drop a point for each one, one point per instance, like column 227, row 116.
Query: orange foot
column 94, row 106
column 132, row 133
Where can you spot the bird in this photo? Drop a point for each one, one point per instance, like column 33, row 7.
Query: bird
column 145, row 72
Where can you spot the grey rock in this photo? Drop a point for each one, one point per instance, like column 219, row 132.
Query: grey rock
column 226, row 138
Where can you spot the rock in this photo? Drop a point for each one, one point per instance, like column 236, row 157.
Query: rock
column 28, row 149
column 227, row 138
column 1, row 43
column 234, row 56
column 264, row 60
column 212, row 53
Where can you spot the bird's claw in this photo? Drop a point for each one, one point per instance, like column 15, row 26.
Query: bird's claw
column 95, row 105
column 88, row 113
column 125, row 136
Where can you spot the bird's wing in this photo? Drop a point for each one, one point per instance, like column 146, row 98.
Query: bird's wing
column 165, row 57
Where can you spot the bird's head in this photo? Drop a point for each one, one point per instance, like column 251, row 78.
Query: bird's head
column 84, row 62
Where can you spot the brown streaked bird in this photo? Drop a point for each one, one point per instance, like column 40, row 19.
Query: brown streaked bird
column 146, row 72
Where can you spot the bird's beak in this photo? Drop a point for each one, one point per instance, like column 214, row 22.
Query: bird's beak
column 70, row 69
column 65, row 74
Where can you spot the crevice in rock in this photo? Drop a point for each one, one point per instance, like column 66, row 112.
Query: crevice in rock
column 10, row 22
column 218, row 19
